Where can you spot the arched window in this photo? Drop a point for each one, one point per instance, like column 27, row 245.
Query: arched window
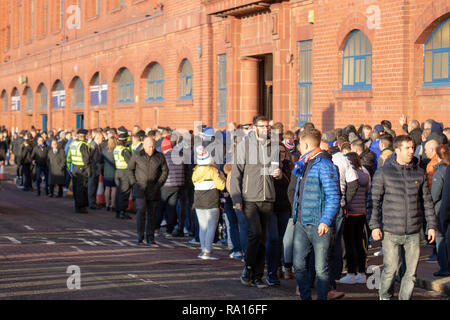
column 43, row 96
column 436, row 57
column 77, row 93
column 58, row 95
column 357, row 62
column 15, row 100
column 186, row 80
column 125, row 86
column 99, row 90
column 29, row 99
column 154, row 84
column 5, row 100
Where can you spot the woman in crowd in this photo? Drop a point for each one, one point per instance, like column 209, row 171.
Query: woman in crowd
column 109, row 172
column 443, row 154
column 355, row 221
column 208, row 183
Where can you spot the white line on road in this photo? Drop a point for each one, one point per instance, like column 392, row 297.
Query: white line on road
column 28, row 227
column 13, row 240
column 76, row 248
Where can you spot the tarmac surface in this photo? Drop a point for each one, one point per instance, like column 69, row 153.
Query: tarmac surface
column 44, row 245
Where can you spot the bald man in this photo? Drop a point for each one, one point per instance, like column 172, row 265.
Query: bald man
column 149, row 172
column 430, row 151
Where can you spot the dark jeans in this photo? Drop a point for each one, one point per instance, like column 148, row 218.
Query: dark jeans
column 258, row 216
column 306, row 239
column 27, row 186
column 181, row 209
column 243, row 231
column 92, row 190
column 145, row 218
column 169, row 198
column 336, row 252
column 233, row 225
column 41, row 171
column 274, row 245
column 67, row 178
column 442, row 257
column 354, row 247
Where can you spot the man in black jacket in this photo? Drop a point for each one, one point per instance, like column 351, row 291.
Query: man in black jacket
column 399, row 188
column 148, row 172
column 368, row 158
column 39, row 159
column 444, row 211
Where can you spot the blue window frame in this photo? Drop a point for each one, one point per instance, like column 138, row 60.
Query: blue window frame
column 98, row 91
column 15, row 100
column 78, row 93
column 5, row 101
column 29, row 99
column 186, row 80
column 304, row 81
column 59, row 95
column 357, row 62
column 222, row 91
column 154, row 84
column 436, row 57
column 43, row 97
column 125, row 87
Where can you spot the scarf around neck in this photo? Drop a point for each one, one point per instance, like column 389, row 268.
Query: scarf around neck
column 300, row 165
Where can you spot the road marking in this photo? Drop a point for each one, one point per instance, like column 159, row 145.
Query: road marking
column 76, row 248
column 28, row 227
column 164, row 245
column 13, row 240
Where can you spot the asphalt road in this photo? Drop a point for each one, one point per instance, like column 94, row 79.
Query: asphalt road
column 42, row 241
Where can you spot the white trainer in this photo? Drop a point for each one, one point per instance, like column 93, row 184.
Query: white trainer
column 348, row 279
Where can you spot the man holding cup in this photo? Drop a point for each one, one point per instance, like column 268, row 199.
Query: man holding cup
column 253, row 192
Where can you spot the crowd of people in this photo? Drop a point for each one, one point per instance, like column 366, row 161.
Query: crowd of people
column 300, row 204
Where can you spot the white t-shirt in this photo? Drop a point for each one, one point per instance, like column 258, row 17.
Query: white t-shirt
column 346, row 173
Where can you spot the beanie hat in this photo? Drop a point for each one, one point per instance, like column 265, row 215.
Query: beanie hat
column 289, row 144
column 379, row 128
column 203, row 156
column 436, row 127
column 166, row 144
column 352, row 137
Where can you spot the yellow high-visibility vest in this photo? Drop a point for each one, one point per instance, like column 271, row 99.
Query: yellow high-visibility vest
column 74, row 155
column 119, row 160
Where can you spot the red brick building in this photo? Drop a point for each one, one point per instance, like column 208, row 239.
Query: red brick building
column 173, row 62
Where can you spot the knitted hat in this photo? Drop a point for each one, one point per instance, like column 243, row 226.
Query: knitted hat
column 166, row 144
column 203, row 156
column 379, row 128
column 352, row 137
column 289, row 144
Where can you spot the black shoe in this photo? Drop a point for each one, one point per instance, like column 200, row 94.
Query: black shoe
column 108, row 208
column 117, row 215
column 272, row 281
column 140, row 240
column 93, row 208
column 246, row 276
column 81, row 210
column 259, row 284
column 149, row 239
column 177, row 233
column 124, row 216
column 441, row 274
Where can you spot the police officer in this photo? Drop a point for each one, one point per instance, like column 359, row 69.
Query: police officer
column 122, row 156
column 78, row 164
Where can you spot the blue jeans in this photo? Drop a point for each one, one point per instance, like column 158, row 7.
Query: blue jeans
column 306, row 238
column 391, row 256
column 288, row 244
column 243, row 232
column 442, row 256
column 41, row 171
column 335, row 259
column 233, row 225
column 274, row 244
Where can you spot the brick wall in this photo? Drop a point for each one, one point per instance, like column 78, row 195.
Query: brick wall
column 142, row 32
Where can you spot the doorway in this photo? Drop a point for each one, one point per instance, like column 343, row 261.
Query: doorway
column 44, row 122
column 80, row 121
column 265, row 85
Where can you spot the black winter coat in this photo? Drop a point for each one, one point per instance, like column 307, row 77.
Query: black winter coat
column 148, row 174
column 25, row 154
column 57, row 165
column 400, row 191
column 444, row 211
column 368, row 159
column 40, row 156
